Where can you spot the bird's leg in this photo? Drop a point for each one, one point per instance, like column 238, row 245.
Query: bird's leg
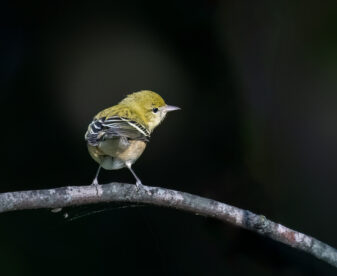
column 95, row 182
column 138, row 182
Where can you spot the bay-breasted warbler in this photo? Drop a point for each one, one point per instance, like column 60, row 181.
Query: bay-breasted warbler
column 118, row 135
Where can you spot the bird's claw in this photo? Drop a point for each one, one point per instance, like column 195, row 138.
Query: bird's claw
column 140, row 186
column 95, row 182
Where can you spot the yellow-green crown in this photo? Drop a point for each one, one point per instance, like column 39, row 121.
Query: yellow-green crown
column 145, row 98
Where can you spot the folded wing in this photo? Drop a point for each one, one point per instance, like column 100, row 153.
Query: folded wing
column 113, row 127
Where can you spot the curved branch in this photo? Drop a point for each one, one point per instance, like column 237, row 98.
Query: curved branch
column 119, row 192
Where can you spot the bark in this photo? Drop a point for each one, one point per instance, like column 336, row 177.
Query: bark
column 119, row 192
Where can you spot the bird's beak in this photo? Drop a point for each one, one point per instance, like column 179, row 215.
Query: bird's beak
column 169, row 108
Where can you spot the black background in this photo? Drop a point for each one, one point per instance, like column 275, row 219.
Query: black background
column 256, row 81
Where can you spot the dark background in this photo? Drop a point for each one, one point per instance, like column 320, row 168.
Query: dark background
column 256, row 81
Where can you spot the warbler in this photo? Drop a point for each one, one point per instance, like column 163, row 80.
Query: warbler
column 118, row 135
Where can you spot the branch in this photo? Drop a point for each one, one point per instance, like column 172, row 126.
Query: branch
column 119, row 192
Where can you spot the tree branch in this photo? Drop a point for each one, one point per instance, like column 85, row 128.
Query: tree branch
column 119, row 192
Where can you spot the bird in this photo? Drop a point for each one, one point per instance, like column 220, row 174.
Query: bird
column 118, row 135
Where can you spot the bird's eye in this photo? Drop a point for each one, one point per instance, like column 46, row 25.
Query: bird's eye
column 155, row 110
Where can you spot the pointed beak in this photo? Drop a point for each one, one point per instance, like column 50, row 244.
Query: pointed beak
column 169, row 108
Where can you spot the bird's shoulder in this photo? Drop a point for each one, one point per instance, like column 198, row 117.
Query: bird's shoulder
column 114, row 111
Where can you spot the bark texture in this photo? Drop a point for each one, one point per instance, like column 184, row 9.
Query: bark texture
column 120, row 192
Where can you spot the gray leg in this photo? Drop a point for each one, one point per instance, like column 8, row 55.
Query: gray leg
column 138, row 182
column 95, row 182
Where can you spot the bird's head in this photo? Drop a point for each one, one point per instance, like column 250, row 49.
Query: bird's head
column 149, row 106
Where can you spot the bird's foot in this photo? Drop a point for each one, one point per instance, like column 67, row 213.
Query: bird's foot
column 97, row 186
column 95, row 182
column 140, row 186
